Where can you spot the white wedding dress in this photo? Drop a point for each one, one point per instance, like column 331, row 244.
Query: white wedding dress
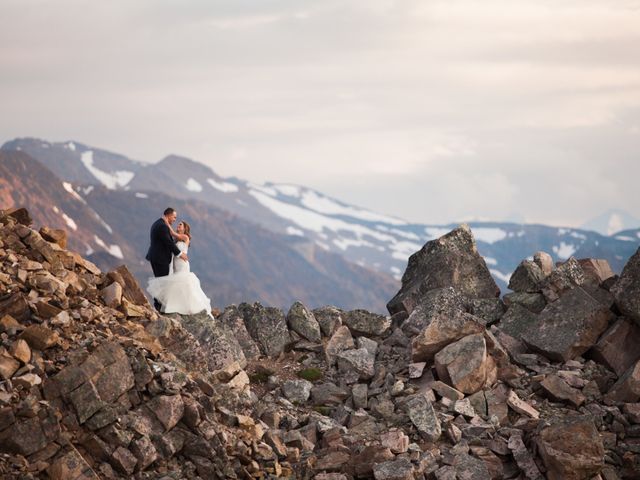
column 180, row 291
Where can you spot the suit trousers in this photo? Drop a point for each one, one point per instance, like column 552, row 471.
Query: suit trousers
column 159, row 270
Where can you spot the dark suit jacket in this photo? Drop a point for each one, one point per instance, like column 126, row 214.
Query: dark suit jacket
column 162, row 246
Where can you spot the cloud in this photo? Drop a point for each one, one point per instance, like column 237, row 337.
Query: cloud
column 432, row 111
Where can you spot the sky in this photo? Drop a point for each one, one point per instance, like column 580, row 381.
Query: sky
column 432, row 111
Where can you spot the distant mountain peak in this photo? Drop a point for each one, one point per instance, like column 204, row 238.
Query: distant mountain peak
column 611, row 222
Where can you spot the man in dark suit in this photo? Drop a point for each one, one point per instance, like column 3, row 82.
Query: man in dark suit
column 163, row 247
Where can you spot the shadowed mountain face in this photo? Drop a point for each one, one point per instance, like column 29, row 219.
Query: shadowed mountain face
column 311, row 221
column 235, row 260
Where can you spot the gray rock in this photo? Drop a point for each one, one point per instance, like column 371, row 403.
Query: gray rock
column 627, row 289
column 568, row 327
column 534, row 302
column 360, row 361
column 370, row 345
column 435, row 303
column 232, row 318
column 267, row 326
column 487, row 310
column 470, row 468
column 361, row 322
column 567, row 276
column 297, row 391
column 398, row 469
column 449, row 261
column 329, row 318
column 340, row 340
column 517, row 320
column 617, row 348
column 421, row 413
column 328, row 394
column 302, row 321
column 526, row 277
column 359, row 393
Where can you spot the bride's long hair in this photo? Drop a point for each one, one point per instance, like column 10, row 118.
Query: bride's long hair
column 187, row 229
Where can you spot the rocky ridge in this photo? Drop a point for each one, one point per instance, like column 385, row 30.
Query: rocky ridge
column 455, row 384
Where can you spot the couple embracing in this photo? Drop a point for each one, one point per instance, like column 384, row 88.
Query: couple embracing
column 175, row 289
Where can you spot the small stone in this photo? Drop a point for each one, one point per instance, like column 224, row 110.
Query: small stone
column 520, row 406
column 340, row 341
column 124, row 461
column 445, row 390
column 559, row 390
column 359, row 393
column 39, row 337
column 399, row 469
column 112, row 295
column 8, row 366
column 297, row 391
column 27, row 380
column 395, row 440
column 240, row 381
column 168, row 409
column 21, row 351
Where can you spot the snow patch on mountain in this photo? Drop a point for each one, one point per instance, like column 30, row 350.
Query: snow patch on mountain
column 489, row 235
column 193, row 186
column 111, row 180
column 69, row 188
column 505, row 277
column 564, row 250
column 113, row 250
column 225, row 187
column 69, row 221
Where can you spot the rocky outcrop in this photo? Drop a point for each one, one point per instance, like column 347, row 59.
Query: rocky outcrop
column 95, row 388
column 450, row 261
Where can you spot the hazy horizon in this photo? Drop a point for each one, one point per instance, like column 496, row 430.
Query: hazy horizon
column 435, row 112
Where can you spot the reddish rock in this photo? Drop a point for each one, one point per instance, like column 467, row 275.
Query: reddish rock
column 168, row 408
column 124, row 461
column 395, row 440
column 39, row 337
column 463, row 364
column 559, row 390
column 627, row 388
column 617, row 348
column 131, row 289
column 112, row 295
column 442, row 331
column 596, row 270
column 56, row 236
column 544, row 261
column 71, row 466
column 144, row 451
column 20, row 350
column 364, row 461
column 568, row 327
column 520, row 406
column 571, row 449
column 16, row 306
column 8, row 366
column 340, row 340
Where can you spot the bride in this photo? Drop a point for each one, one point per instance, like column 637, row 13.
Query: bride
column 180, row 291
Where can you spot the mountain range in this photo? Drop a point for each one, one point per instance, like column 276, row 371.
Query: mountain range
column 309, row 225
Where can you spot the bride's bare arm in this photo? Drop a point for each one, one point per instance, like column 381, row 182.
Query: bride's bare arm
column 179, row 236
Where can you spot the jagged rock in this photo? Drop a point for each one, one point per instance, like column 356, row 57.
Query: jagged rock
column 233, row 320
column 333, row 461
column 632, row 410
column 442, row 331
column 16, row 307
column 421, row 413
column 568, row 327
column 359, row 394
column 30, row 435
column 567, row 276
column 517, row 320
column 395, row 440
column 627, row 388
column 123, row 460
column 534, row 302
column 71, row 466
column 544, row 261
column 39, row 337
column 450, row 261
column 464, row 364
column 617, row 347
column 470, row 468
column 221, row 345
column 571, row 449
column 523, row 458
column 10, row 325
column 267, row 326
column 627, row 289
column 130, row 288
column 20, row 214
column 8, row 366
column 361, row 322
column 487, row 310
column 559, row 390
column 168, row 409
column 435, row 303
column 54, row 236
column 340, row 341
column 297, row 391
column 329, row 318
column 359, row 361
column 112, row 295
column 302, row 321
column 526, row 278
column 447, row 391
column 328, row 394
column 398, row 469
column 520, row 406
column 364, row 461
column 144, row 451
column 596, row 270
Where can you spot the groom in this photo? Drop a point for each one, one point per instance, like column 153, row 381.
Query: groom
column 163, row 247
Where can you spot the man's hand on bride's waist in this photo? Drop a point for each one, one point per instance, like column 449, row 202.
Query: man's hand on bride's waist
column 184, row 257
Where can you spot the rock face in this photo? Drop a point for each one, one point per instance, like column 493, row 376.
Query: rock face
column 568, row 327
column 627, row 289
column 450, row 261
column 571, row 449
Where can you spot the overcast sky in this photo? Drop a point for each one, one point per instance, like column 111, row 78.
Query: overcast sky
column 434, row 111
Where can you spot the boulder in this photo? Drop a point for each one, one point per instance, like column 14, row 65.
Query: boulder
column 571, row 449
column 329, row 318
column 421, row 413
column 617, row 348
column 233, row 320
column 297, row 391
column 449, row 261
column 302, row 321
column 359, row 361
column 442, row 330
column 560, row 391
column 627, row 289
column 526, row 277
column 361, row 322
column 464, row 364
column 39, row 337
column 567, row 276
column 131, row 289
column 534, row 302
column 544, row 261
column 438, row 302
column 112, row 295
column 267, row 326
column 568, row 327
column 596, row 270
column 340, row 341
column 56, row 236
column 398, row 469
column 627, row 388
column 517, row 320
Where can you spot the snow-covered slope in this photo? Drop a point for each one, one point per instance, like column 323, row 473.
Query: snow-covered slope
column 612, row 221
